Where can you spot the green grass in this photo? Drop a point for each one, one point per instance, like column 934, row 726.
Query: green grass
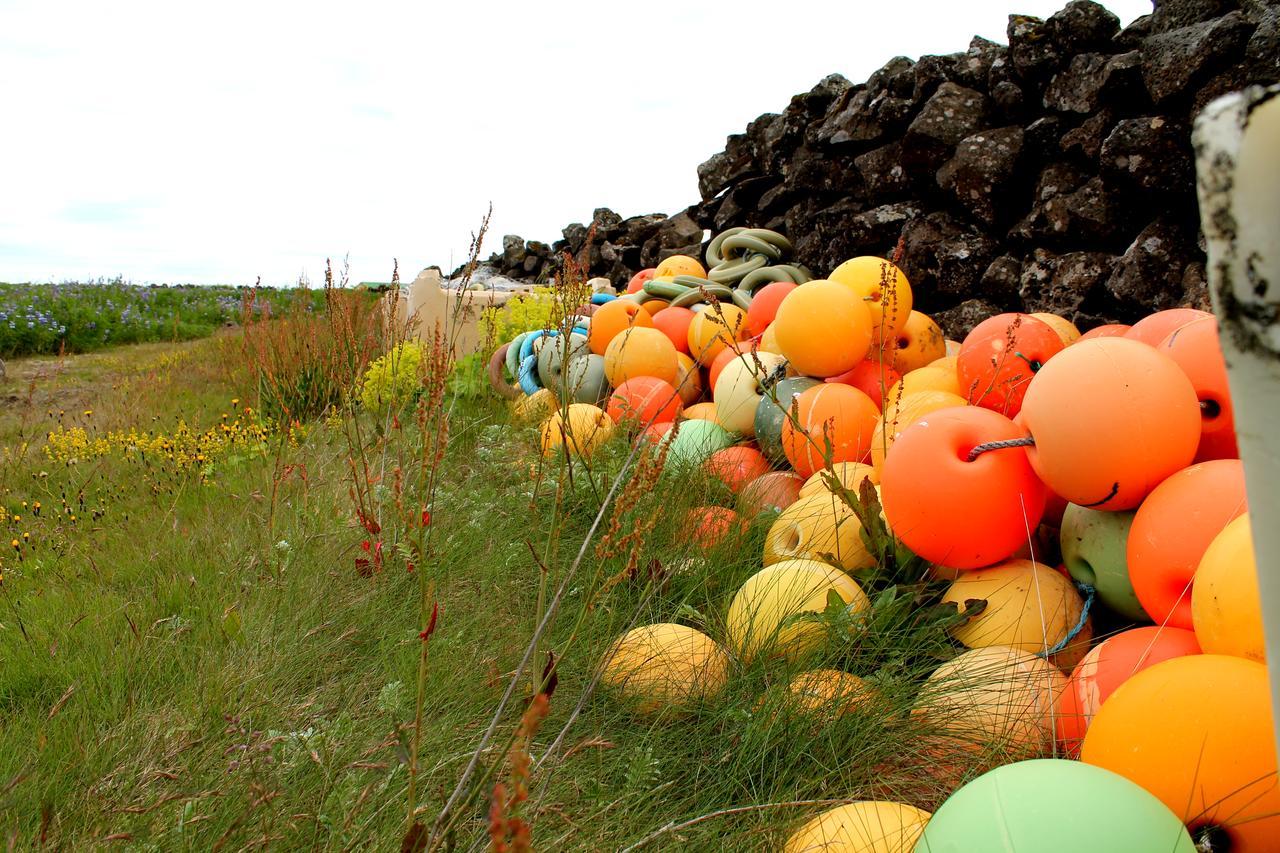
column 186, row 666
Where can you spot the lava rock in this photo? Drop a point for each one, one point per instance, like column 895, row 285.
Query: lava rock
column 1092, row 215
column 959, row 321
column 882, row 172
column 513, row 251
column 973, row 67
column 810, row 170
column 981, row 172
column 1085, row 142
column 1150, row 154
column 951, row 114
column 1064, row 284
column 944, row 260
column 1008, row 100
column 1093, row 79
column 1058, row 178
column 1002, row 282
column 1082, row 26
column 1175, row 14
column 1172, row 61
column 726, row 167
column 1032, row 51
column 1149, row 275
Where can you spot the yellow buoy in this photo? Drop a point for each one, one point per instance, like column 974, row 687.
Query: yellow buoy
column 700, row 412
column 919, row 342
column 1030, row 607
column 585, row 429
column 688, row 379
column 639, row 351
column 737, row 393
column 537, row 406
column 680, row 265
column 862, row 827
column 849, row 474
column 1062, row 327
column 1226, row 607
column 928, row 378
column 827, row 692
column 665, row 665
column 993, row 699
column 884, row 289
column 820, row 527
column 762, row 615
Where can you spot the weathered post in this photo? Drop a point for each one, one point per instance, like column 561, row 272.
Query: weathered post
column 1237, row 140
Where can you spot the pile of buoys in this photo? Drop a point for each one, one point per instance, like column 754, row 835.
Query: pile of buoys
column 1078, row 496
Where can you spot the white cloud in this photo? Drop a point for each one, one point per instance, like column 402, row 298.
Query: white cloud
column 256, row 138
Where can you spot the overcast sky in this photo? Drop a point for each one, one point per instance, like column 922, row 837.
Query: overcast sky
column 256, row 138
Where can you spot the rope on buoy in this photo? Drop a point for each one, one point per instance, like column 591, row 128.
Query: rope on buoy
column 1028, row 441
column 1089, row 594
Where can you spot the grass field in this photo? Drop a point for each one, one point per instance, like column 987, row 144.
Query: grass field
column 205, row 646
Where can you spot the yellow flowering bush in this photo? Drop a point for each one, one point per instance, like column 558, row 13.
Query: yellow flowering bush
column 523, row 313
column 393, row 380
column 184, row 448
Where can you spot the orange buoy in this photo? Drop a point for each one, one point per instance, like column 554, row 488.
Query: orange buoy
column 700, row 412
column 1110, row 330
column 737, row 466
column 1195, row 348
column 950, row 510
column 1154, row 328
column 834, row 424
column 999, row 358
column 674, row 323
column 680, row 265
column 764, row 305
column 772, row 492
column 918, row 343
column 885, row 290
column 1172, row 530
column 902, row 413
column 1108, row 665
column 636, row 283
column 643, row 401
column 871, row 378
column 1111, row 418
column 1226, row 606
column 612, row 318
column 709, row 526
column 714, row 328
column 823, row 328
column 640, row 351
column 688, row 379
column 1197, row 732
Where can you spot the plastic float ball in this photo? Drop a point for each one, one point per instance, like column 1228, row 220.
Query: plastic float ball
column 655, row 306
column 1054, row 507
column 772, row 492
column 637, row 281
column 1095, row 550
column 861, row 827
column 612, row 318
column 737, row 466
column 674, row 323
column 953, row 348
column 774, row 410
column 764, row 306
column 583, row 428
column 585, row 381
column 883, row 288
column 834, row 423
column 708, row 526
column 688, row 379
column 1111, row 330
column 1108, row 665
column 1062, row 327
column 665, row 666
column 680, row 265
column 535, row 407
column 819, row 527
column 1111, row 418
column 726, row 355
column 762, row 616
column 654, row 434
column 926, row 379
column 1030, row 607
column 701, row 412
column 849, row 474
column 1000, row 357
column 952, row 511
column 1154, row 328
column 638, row 352
column 920, row 342
column 554, row 357
column 1050, row 805
column 823, row 328
column 902, row 413
column 642, row 401
column 769, row 342
column 695, row 441
column 715, row 328
column 738, row 390
column 1196, row 731
column 827, row 692
column 1172, row 530
column 996, row 699
column 948, row 362
column 1195, row 348
column 1226, row 606
column 871, row 378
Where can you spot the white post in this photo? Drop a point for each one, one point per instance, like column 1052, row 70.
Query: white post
column 1237, row 141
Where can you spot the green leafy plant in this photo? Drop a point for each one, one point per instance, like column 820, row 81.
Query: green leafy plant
column 394, row 380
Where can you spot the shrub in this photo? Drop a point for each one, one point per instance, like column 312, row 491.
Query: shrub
column 394, row 380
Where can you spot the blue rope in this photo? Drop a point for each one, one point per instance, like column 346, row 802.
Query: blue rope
column 1089, row 594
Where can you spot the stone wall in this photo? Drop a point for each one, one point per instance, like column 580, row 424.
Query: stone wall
column 1051, row 174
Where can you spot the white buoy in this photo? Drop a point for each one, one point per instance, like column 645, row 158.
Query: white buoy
column 1237, row 141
